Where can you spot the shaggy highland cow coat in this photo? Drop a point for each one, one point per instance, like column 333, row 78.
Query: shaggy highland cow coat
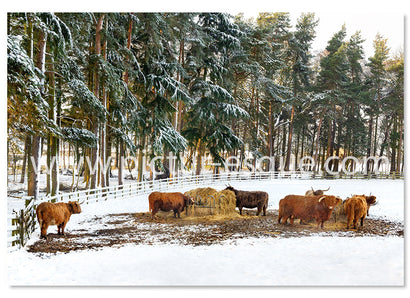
column 251, row 199
column 357, row 207
column 306, row 208
column 164, row 201
column 58, row 214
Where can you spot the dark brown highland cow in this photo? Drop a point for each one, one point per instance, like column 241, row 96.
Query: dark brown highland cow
column 250, row 199
column 306, row 208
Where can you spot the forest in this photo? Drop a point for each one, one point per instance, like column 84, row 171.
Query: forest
column 101, row 85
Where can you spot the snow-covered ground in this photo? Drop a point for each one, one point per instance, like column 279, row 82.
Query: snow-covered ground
column 289, row 261
column 314, row 260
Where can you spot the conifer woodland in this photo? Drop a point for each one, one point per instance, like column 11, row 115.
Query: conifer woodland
column 100, row 85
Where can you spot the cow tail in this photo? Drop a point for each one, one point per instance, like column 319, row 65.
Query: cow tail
column 151, row 205
column 349, row 212
column 39, row 217
column 151, row 200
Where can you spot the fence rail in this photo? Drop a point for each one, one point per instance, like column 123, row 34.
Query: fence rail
column 22, row 223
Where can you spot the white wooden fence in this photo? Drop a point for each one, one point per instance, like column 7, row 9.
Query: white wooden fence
column 16, row 228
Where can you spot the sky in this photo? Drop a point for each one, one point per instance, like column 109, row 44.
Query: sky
column 368, row 16
column 389, row 25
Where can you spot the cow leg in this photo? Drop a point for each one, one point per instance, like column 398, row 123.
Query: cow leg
column 240, row 210
column 154, row 211
column 292, row 220
column 349, row 221
column 63, row 227
column 361, row 221
column 355, row 223
column 279, row 218
column 264, row 210
column 258, row 212
column 44, row 228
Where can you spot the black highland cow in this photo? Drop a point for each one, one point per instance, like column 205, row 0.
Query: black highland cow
column 250, row 199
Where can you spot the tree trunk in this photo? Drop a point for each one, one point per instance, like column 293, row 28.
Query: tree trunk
column 398, row 167
column 283, row 140
column 289, row 150
column 96, row 128
column 52, row 145
column 270, row 130
column 303, row 142
column 27, row 148
column 336, row 147
column 316, row 146
column 179, row 104
column 393, row 149
column 375, row 135
column 297, row 147
column 108, row 156
column 34, row 167
column 48, row 174
column 121, row 163
column 369, row 144
column 199, row 157
column 103, row 136
column 331, row 141
column 141, row 159
column 385, row 140
column 33, row 174
column 128, row 46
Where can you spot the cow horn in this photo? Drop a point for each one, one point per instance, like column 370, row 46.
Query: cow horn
column 321, row 198
column 312, row 188
column 327, row 189
column 81, row 202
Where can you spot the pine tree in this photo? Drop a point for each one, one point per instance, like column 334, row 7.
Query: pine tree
column 377, row 80
column 299, row 72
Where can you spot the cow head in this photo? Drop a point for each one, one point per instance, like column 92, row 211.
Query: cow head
column 329, row 202
column 319, row 192
column 74, row 207
column 228, row 187
column 189, row 201
column 370, row 200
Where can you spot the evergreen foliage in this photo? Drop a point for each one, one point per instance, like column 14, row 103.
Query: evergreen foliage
column 147, row 84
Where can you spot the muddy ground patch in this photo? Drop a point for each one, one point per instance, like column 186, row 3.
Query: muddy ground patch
column 137, row 228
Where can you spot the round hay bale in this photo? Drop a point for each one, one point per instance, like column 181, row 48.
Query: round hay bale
column 201, row 193
column 226, row 201
column 208, row 201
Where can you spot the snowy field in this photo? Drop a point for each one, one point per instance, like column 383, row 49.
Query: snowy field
column 315, row 260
